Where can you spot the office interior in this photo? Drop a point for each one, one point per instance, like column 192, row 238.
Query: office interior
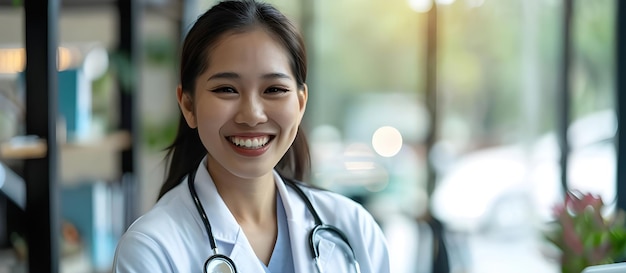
column 459, row 124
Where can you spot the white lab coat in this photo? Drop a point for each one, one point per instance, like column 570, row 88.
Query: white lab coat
column 172, row 238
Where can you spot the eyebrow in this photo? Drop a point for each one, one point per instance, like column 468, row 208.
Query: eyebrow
column 276, row 76
column 233, row 75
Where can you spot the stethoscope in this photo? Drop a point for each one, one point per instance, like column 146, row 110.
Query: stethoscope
column 219, row 263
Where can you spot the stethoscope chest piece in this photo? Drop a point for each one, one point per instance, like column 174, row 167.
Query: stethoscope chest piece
column 219, row 264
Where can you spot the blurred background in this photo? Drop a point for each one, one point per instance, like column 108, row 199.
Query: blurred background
column 446, row 119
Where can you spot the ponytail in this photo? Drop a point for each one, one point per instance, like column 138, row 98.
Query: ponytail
column 296, row 163
column 183, row 156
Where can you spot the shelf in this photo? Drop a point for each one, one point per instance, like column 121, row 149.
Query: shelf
column 23, row 148
column 94, row 159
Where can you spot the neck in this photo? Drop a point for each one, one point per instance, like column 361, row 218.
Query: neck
column 252, row 201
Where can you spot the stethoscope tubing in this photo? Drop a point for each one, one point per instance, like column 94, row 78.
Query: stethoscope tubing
column 319, row 224
column 194, row 195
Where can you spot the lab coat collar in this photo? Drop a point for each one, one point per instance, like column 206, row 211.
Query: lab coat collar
column 295, row 209
column 226, row 229
column 223, row 224
column 301, row 222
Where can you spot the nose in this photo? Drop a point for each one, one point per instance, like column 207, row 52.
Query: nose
column 251, row 111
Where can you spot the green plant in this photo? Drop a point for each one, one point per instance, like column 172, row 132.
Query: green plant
column 584, row 235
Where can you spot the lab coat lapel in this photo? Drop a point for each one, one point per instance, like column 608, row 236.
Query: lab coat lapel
column 300, row 224
column 244, row 257
column 225, row 228
column 302, row 257
column 223, row 224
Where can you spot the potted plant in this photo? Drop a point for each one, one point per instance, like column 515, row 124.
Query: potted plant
column 585, row 236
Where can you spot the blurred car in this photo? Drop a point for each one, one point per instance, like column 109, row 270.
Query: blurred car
column 515, row 186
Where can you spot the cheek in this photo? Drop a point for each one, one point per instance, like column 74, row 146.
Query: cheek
column 289, row 117
column 210, row 117
column 209, row 126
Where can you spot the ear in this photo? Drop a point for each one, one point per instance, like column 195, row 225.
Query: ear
column 186, row 106
column 303, row 96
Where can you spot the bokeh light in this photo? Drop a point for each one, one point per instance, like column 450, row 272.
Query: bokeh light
column 387, row 141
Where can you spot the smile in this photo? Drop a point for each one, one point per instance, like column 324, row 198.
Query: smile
column 249, row 142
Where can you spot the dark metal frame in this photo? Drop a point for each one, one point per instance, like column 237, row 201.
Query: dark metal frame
column 620, row 96
column 620, row 105
column 563, row 97
column 128, row 35
column 40, row 175
column 430, row 85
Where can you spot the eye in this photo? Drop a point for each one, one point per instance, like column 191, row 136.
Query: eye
column 278, row 90
column 224, row 89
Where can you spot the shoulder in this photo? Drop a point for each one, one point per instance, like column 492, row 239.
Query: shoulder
column 346, row 214
column 335, row 203
column 151, row 242
column 167, row 214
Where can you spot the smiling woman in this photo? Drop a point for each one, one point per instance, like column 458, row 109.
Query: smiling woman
column 248, row 95
column 235, row 165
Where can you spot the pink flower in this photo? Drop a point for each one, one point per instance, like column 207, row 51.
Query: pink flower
column 583, row 235
column 570, row 237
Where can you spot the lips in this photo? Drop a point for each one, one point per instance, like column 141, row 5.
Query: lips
column 245, row 142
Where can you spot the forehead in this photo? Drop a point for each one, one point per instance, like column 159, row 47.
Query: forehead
column 252, row 49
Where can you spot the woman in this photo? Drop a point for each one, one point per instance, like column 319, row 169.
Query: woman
column 236, row 159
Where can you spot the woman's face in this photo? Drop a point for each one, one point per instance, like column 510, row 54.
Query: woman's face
column 246, row 106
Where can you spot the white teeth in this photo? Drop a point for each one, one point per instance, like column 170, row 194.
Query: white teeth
column 251, row 143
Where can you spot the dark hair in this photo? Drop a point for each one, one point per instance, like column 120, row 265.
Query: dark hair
column 186, row 151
